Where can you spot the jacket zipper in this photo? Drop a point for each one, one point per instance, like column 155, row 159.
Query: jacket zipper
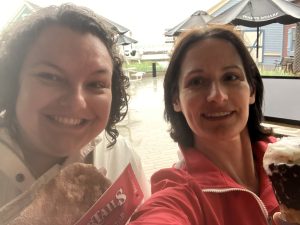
column 223, row 190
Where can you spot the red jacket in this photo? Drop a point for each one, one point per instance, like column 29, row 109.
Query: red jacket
column 201, row 194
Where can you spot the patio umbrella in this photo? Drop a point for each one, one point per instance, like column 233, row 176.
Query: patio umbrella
column 257, row 13
column 125, row 40
column 197, row 19
column 114, row 26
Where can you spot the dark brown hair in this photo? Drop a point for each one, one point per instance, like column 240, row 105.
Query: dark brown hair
column 179, row 130
column 17, row 39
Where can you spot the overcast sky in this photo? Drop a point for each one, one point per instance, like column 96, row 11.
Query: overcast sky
column 146, row 19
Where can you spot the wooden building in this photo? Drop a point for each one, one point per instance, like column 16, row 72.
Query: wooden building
column 275, row 40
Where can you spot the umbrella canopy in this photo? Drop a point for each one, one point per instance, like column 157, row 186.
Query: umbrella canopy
column 257, row 13
column 115, row 26
column 197, row 19
column 125, row 40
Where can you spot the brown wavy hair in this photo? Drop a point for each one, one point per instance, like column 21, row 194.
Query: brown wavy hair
column 17, row 39
column 180, row 131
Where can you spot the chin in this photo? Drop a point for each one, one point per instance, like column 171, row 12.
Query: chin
column 224, row 135
column 63, row 152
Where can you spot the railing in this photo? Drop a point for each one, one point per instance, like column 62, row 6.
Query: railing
column 281, row 102
column 286, row 64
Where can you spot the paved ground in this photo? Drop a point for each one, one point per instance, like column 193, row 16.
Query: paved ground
column 145, row 127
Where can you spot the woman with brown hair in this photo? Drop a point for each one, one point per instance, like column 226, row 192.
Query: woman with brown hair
column 62, row 92
column 213, row 100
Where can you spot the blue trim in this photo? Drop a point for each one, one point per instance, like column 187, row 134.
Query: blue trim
column 290, row 47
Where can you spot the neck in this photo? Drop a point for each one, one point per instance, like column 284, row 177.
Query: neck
column 36, row 160
column 39, row 163
column 234, row 157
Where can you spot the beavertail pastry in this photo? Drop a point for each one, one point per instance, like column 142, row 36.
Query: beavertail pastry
column 282, row 164
column 65, row 198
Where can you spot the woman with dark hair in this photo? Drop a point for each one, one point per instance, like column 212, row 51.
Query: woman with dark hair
column 62, row 92
column 213, row 100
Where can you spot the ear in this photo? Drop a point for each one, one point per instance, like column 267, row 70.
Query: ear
column 252, row 97
column 176, row 105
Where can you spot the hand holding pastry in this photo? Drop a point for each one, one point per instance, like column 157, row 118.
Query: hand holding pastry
column 66, row 197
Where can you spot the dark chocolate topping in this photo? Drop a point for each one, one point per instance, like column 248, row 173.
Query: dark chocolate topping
column 286, row 184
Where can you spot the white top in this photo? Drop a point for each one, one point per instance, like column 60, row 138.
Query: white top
column 18, row 186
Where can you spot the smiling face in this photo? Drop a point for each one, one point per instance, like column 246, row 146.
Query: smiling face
column 65, row 92
column 214, row 95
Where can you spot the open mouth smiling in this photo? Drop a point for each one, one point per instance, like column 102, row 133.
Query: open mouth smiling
column 67, row 121
column 217, row 115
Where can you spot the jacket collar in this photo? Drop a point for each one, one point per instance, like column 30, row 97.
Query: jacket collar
column 208, row 175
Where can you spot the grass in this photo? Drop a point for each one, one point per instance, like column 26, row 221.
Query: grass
column 146, row 66
column 143, row 66
column 275, row 73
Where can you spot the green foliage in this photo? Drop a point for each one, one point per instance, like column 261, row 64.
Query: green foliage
column 143, row 66
column 275, row 73
column 146, row 66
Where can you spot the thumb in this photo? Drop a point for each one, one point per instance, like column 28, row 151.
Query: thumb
column 103, row 171
column 279, row 220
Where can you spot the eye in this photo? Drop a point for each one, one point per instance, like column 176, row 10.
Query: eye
column 49, row 76
column 96, row 85
column 196, row 81
column 231, row 77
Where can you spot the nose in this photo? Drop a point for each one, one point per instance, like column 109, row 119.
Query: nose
column 73, row 99
column 217, row 93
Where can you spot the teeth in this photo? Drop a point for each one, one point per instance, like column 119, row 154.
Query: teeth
column 67, row 121
column 218, row 114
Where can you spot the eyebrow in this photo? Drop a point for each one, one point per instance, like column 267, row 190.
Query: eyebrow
column 233, row 67
column 96, row 72
column 193, row 71
column 100, row 72
column 224, row 68
column 45, row 63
